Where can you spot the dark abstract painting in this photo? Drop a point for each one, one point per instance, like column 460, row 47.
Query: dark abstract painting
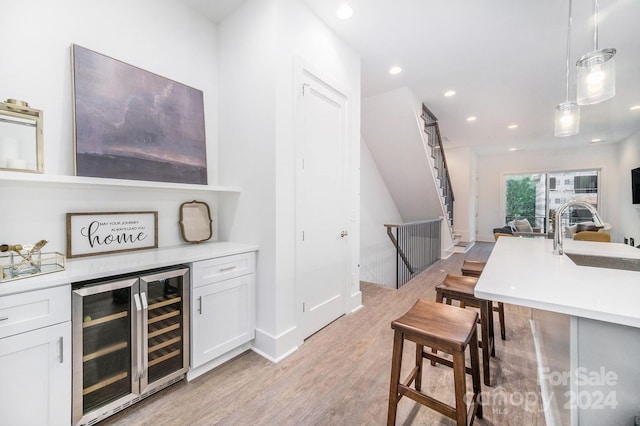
column 133, row 124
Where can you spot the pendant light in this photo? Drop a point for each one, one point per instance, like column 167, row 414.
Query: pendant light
column 596, row 71
column 567, row 113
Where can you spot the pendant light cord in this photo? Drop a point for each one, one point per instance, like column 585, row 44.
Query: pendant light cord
column 568, row 53
column 595, row 26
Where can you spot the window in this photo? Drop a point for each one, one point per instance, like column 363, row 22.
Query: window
column 585, row 184
column 537, row 196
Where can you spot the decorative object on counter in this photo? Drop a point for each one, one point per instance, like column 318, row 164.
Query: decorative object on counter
column 21, row 145
column 132, row 124
column 195, row 221
column 90, row 234
column 26, row 260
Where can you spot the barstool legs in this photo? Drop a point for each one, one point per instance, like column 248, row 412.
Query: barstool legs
column 423, row 326
column 396, row 365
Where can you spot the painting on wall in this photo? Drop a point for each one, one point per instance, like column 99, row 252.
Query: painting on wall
column 133, row 124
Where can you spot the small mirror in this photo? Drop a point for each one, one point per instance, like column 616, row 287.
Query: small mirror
column 21, row 146
column 195, row 222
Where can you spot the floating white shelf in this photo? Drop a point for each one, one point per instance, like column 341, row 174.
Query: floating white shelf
column 18, row 177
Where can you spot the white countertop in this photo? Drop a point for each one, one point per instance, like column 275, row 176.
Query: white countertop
column 524, row 271
column 88, row 268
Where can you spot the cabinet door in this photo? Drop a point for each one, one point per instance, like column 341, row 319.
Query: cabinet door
column 36, row 377
column 165, row 335
column 222, row 318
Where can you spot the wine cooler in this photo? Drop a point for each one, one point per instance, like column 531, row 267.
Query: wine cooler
column 130, row 339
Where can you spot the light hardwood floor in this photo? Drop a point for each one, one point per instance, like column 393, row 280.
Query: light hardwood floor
column 340, row 375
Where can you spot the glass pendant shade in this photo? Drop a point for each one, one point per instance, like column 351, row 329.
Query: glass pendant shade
column 596, row 77
column 567, row 119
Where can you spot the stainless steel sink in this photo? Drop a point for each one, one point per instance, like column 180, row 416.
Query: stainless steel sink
column 608, row 262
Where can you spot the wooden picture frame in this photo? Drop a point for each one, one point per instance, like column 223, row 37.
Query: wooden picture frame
column 90, row 234
column 195, row 222
column 129, row 123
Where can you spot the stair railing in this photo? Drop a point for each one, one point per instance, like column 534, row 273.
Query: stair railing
column 417, row 247
column 432, row 129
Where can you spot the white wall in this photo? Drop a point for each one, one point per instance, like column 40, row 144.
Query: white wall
column 260, row 45
column 247, row 48
column 492, row 169
column 377, row 254
column 461, row 163
column 161, row 36
column 628, row 159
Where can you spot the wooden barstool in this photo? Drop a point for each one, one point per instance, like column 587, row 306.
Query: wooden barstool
column 460, row 288
column 473, row 268
column 448, row 329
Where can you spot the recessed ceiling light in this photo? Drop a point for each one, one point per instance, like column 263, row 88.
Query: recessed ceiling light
column 512, row 126
column 513, row 149
column 472, row 118
column 596, row 140
column 395, row 70
column 344, row 11
column 449, row 93
column 635, row 107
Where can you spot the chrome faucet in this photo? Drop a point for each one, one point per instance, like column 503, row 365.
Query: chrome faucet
column 557, row 235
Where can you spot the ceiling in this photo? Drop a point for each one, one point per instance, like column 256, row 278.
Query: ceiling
column 505, row 59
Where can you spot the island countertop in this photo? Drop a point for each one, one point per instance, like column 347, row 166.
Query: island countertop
column 525, row 272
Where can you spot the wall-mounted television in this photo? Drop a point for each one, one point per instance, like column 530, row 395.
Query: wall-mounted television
column 635, row 185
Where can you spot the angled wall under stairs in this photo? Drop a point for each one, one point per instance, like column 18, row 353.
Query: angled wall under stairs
column 394, row 130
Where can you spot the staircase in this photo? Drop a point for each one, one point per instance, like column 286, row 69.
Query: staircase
column 404, row 139
column 434, row 141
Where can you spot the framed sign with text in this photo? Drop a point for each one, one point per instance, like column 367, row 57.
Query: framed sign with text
column 90, row 234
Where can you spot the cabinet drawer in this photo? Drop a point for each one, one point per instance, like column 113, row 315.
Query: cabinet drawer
column 222, row 268
column 34, row 309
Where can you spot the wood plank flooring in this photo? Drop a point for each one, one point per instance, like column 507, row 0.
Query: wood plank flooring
column 340, row 375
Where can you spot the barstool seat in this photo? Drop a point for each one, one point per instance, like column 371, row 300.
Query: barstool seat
column 445, row 328
column 461, row 288
column 473, row 268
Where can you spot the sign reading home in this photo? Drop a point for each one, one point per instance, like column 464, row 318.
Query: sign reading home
column 90, row 234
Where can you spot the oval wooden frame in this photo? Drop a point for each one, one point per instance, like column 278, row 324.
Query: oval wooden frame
column 195, row 221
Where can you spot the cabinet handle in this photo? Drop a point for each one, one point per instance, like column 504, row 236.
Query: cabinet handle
column 136, row 299
column 61, row 342
column 228, row 268
column 145, row 334
column 4, row 318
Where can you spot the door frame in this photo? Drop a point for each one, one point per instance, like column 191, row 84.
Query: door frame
column 302, row 69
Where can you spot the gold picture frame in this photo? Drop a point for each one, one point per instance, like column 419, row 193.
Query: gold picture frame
column 21, row 140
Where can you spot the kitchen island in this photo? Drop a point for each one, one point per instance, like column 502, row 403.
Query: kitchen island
column 585, row 322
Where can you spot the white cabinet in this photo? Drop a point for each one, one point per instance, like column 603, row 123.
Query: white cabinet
column 222, row 306
column 35, row 357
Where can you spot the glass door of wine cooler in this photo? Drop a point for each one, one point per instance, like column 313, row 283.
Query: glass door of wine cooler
column 165, row 331
column 105, row 349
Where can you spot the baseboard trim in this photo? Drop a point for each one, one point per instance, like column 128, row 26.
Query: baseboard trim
column 205, row 368
column 276, row 348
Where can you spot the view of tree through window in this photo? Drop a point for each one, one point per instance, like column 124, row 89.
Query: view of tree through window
column 521, row 199
column 537, row 196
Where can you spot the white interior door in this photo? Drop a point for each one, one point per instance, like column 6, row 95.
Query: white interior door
column 321, row 216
